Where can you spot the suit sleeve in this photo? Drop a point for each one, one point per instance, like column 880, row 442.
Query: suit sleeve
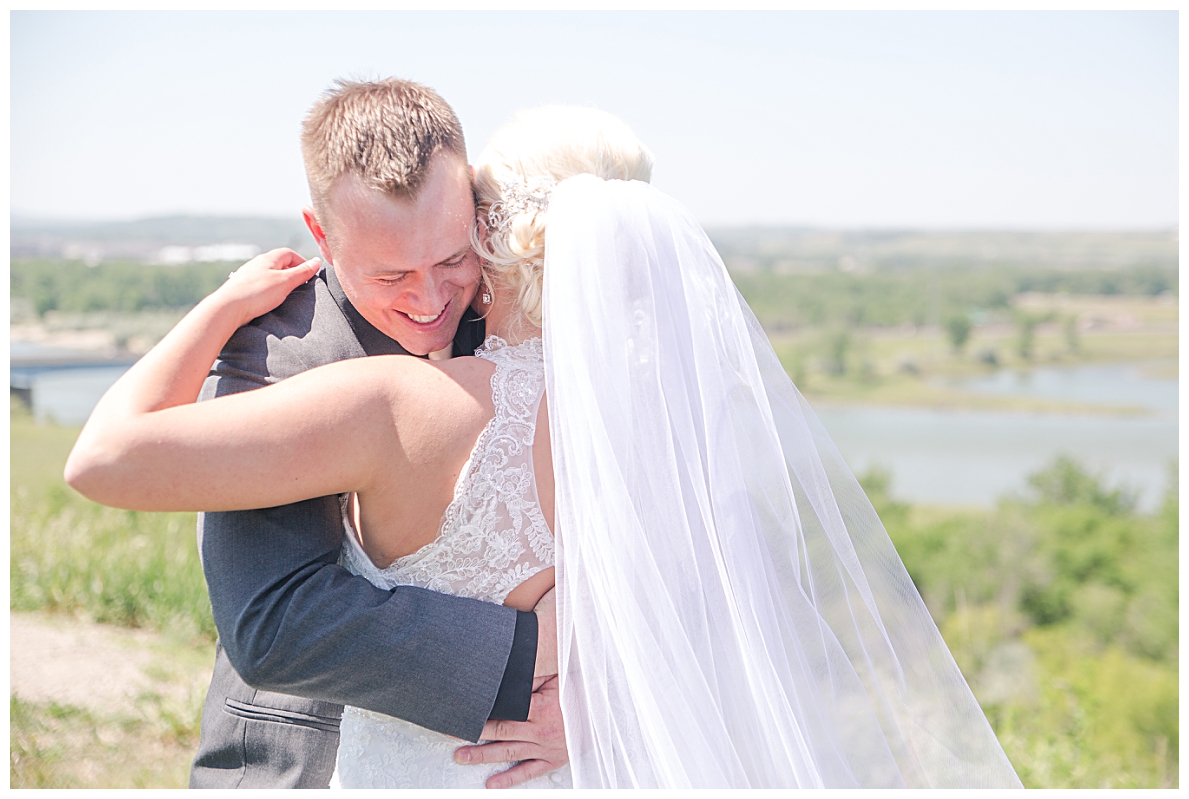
column 293, row 621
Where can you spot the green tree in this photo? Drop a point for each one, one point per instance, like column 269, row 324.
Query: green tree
column 1072, row 342
column 1066, row 482
column 838, row 345
column 1026, row 324
column 957, row 329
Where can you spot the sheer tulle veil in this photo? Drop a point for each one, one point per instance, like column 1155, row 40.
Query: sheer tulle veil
column 732, row 612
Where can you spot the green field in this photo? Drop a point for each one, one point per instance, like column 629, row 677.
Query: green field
column 72, row 557
column 1061, row 611
column 101, row 564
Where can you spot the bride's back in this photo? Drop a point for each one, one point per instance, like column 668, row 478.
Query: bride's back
column 465, row 505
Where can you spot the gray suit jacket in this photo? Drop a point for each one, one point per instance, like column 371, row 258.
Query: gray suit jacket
column 293, row 623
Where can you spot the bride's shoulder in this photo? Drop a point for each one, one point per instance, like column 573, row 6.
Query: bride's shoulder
column 468, row 371
column 399, row 376
column 418, row 391
column 412, row 373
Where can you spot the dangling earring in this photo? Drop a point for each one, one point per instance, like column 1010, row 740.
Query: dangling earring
column 485, row 286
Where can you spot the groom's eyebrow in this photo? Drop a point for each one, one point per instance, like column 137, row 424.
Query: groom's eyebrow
column 456, row 256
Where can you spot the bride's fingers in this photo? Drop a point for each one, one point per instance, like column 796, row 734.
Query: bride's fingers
column 280, row 258
column 264, row 282
column 309, row 265
column 302, row 272
column 290, row 265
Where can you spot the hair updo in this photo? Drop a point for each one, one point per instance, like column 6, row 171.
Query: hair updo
column 541, row 145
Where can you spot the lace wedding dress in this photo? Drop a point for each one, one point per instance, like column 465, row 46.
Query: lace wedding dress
column 493, row 537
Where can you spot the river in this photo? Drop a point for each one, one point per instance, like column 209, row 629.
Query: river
column 935, row 457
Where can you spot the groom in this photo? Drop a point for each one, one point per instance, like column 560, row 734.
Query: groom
column 392, row 213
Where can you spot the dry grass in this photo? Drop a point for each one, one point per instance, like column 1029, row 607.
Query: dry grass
column 95, row 706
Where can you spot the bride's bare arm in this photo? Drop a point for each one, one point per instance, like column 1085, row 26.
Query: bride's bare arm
column 329, row 427
column 148, row 447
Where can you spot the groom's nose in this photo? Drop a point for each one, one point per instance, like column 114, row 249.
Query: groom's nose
column 425, row 292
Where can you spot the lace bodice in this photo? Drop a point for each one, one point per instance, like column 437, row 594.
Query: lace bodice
column 492, row 538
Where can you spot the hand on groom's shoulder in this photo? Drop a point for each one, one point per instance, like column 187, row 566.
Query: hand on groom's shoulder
column 308, row 329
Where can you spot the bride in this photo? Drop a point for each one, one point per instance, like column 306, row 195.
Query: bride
column 731, row 612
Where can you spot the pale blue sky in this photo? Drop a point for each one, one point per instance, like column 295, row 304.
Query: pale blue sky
column 836, row 119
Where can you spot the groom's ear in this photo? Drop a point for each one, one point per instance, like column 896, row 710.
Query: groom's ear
column 311, row 220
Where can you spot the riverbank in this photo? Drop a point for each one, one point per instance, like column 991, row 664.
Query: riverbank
column 910, row 366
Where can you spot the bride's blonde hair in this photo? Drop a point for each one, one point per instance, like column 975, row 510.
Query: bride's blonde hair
column 537, row 148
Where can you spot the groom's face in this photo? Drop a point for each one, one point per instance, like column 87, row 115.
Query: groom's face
column 406, row 264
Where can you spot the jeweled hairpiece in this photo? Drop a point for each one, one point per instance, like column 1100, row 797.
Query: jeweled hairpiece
column 516, row 198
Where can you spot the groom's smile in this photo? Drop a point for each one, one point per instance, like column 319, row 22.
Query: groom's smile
column 424, row 320
column 426, row 323
column 405, row 263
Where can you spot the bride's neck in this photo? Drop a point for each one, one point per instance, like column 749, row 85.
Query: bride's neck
column 503, row 318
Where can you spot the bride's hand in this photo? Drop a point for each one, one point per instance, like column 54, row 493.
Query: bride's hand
column 264, row 282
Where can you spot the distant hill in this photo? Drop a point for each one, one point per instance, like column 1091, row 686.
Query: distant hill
column 745, row 249
column 794, row 250
column 143, row 239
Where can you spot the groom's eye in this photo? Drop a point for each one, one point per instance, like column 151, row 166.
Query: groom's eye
column 457, row 260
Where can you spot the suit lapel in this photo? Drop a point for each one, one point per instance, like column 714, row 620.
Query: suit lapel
column 471, row 332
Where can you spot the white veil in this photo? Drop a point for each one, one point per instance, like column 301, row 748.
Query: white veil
column 731, row 610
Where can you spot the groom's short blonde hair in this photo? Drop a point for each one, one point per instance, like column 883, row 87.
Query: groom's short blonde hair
column 385, row 132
